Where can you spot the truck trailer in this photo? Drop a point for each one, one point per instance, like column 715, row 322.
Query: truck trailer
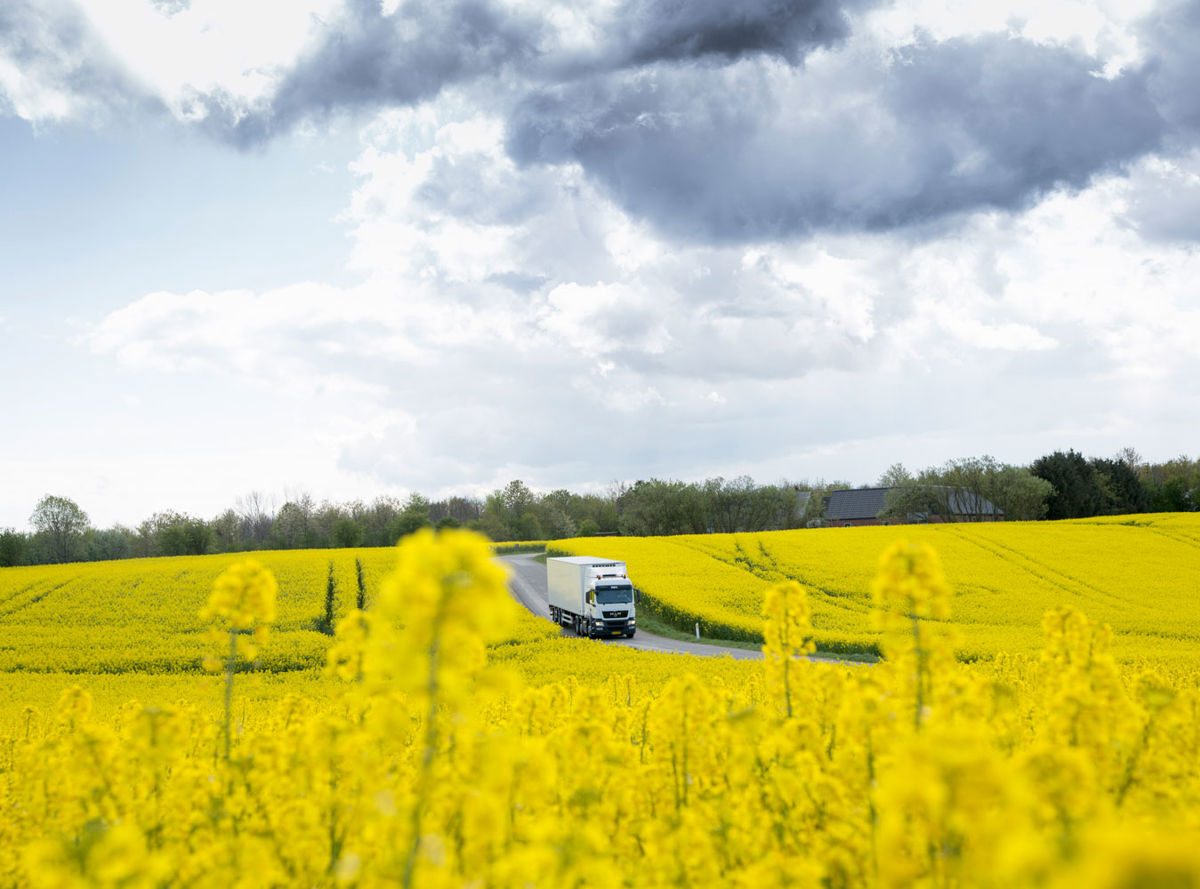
column 592, row 596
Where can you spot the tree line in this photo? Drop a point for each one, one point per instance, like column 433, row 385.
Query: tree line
column 61, row 530
column 1061, row 485
column 1056, row 486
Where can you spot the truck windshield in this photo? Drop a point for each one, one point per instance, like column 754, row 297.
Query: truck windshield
column 614, row 595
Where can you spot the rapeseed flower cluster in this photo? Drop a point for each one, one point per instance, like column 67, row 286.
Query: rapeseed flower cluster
column 909, row 585
column 787, row 635
column 240, row 611
column 1053, row 770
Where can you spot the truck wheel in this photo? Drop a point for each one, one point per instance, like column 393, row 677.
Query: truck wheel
column 629, row 635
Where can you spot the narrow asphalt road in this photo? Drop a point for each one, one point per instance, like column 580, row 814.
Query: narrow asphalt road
column 527, row 580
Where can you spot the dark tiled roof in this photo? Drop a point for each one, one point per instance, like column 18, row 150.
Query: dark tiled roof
column 861, row 503
column 867, row 503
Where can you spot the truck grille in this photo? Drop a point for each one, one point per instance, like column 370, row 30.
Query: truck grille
column 616, row 614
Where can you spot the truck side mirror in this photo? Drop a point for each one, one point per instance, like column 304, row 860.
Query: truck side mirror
column 591, row 596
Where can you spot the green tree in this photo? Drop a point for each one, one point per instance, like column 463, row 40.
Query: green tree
column 225, row 529
column 346, row 533
column 603, row 510
column 491, row 526
column 1174, row 495
column 740, row 505
column 461, row 509
column 1021, row 494
column 377, row 520
column 1173, row 486
column 191, row 537
column 170, row 533
column 413, row 517
column 1077, row 491
column 59, row 525
column 963, row 489
column 293, row 526
column 662, row 507
column 517, row 497
column 969, row 485
column 530, row 527
column 1123, row 491
column 12, row 547
column 910, row 501
column 324, row 518
column 556, row 524
column 511, row 513
column 895, row 476
column 116, row 542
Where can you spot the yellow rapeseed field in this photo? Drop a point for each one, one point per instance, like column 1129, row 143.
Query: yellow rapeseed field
column 1138, row 574
column 132, row 628
column 143, row 614
column 453, row 740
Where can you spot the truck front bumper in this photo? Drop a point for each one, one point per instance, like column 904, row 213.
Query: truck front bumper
column 620, row 627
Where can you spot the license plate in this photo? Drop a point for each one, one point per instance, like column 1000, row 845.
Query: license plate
column 616, row 632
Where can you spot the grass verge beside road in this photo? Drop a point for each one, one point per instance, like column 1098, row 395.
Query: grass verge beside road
column 651, row 624
column 656, row 627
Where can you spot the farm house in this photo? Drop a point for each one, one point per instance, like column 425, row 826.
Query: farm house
column 862, row 506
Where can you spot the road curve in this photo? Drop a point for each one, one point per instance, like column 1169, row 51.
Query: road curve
column 527, row 581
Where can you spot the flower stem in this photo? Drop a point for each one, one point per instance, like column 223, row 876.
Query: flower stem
column 229, row 690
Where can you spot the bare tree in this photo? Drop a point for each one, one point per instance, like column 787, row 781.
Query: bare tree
column 257, row 512
column 1130, row 457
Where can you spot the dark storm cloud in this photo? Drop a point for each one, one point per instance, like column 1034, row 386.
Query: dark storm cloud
column 654, row 30
column 53, row 46
column 366, row 58
column 1172, row 34
column 1164, row 200
column 1014, row 119
column 703, row 117
column 734, row 154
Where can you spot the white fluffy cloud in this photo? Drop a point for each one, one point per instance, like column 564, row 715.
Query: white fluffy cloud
column 515, row 322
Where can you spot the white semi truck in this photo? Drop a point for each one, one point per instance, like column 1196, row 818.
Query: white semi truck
column 594, row 597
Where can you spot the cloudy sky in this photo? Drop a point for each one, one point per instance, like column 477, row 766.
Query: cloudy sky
column 355, row 247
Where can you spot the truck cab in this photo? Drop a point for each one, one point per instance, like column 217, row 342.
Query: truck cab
column 612, row 607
